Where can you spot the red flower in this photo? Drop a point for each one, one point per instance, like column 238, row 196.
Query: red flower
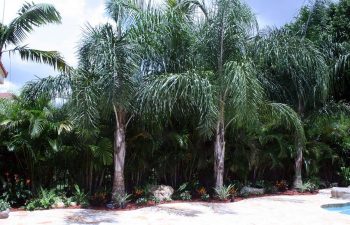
column 28, row 181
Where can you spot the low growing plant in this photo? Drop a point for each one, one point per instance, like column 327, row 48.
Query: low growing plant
column 183, row 193
column 282, row 185
column 4, row 205
column 16, row 191
column 223, row 193
column 45, row 200
column 122, row 200
column 141, row 201
column 308, row 187
column 80, row 197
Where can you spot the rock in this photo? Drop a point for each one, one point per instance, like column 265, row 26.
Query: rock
column 252, row 191
column 338, row 192
column 162, row 192
column 4, row 214
column 74, row 204
column 59, row 205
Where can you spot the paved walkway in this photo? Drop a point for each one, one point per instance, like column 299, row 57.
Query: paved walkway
column 274, row 210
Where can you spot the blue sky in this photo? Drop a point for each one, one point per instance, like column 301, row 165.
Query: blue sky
column 76, row 13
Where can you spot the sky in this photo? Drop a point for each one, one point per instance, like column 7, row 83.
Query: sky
column 76, row 14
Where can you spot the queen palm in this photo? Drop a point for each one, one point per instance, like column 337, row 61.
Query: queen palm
column 29, row 16
column 103, row 84
column 222, row 82
column 299, row 73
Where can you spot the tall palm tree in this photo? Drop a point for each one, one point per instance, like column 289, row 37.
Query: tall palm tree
column 29, row 16
column 299, row 74
column 103, row 84
column 222, row 82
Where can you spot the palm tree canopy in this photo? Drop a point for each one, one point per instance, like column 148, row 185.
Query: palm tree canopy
column 30, row 16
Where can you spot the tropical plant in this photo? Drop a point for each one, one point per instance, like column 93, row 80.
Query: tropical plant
column 30, row 16
column 221, row 86
column 79, row 196
column 45, row 200
column 223, row 193
column 121, row 200
column 141, row 201
column 345, row 175
column 4, row 205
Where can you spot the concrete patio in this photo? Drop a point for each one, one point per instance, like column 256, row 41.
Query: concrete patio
column 273, row 210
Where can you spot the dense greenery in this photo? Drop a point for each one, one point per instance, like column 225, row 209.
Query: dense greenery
column 190, row 95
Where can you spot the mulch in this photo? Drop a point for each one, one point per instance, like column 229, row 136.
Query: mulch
column 133, row 206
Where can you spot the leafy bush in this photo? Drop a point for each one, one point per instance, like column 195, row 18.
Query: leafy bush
column 308, row 187
column 46, row 199
column 223, row 193
column 205, row 197
column 16, row 191
column 99, row 198
column 186, row 195
column 121, row 200
column 4, row 205
column 183, row 192
column 345, row 175
column 141, row 201
column 202, row 192
column 80, row 197
column 282, row 185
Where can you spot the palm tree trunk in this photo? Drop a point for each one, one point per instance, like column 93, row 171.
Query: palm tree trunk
column 219, row 153
column 119, row 153
column 298, row 182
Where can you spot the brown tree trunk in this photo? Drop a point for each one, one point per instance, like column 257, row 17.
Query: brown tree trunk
column 219, row 153
column 119, row 153
column 298, row 182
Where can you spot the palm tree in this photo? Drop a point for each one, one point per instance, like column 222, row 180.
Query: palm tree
column 103, row 84
column 299, row 74
column 30, row 15
column 221, row 83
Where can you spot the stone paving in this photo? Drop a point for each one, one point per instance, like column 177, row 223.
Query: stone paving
column 273, row 210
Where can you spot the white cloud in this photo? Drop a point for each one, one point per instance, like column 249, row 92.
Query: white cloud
column 62, row 37
column 10, row 87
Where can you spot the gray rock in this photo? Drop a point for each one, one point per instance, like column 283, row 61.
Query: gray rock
column 162, row 192
column 338, row 192
column 4, row 214
column 252, row 191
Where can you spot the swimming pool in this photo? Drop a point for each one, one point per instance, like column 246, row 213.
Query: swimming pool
column 341, row 208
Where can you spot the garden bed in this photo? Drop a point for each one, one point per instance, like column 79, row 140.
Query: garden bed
column 133, row 206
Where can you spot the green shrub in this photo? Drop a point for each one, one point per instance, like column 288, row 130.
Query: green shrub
column 80, row 197
column 183, row 192
column 205, row 197
column 16, row 191
column 141, row 201
column 224, row 192
column 308, row 187
column 345, row 175
column 121, row 200
column 46, row 199
column 4, row 205
column 186, row 195
column 99, row 198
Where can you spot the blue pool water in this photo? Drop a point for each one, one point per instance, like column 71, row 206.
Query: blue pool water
column 345, row 209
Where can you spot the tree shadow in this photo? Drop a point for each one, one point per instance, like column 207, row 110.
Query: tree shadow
column 90, row 217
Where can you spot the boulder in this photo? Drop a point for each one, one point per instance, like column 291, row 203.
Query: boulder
column 338, row 192
column 162, row 192
column 4, row 214
column 252, row 191
column 59, row 205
